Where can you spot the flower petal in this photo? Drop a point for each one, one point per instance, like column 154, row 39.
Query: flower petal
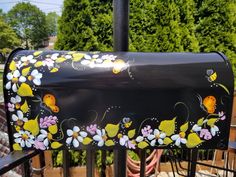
column 22, row 79
column 9, row 76
column 16, row 73
column 20, row 115
column 83, row 134
column 14, row 88
column 175, row 137
column 46, row 142
column 151, row 137
column 75, row 143
column 183, row 140
column 160, row 141
column 153, row 142
column 76, row 129
column 8, row 85
column 69, row 132
column 139, row 139
column 68, row 140
column 37, row 81
column 97, row 138
column 100, row 143
column 177, row 142
column 14, row 117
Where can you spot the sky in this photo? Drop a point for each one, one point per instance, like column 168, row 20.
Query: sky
column 45, row 5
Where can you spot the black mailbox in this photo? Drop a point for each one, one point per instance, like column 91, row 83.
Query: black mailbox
column 78, row 100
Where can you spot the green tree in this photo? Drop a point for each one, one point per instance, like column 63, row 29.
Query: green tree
column 216, row 29
column 2, row 15
column 52, row 21
column 30, row 24
column 85, row 25
column 8, row 37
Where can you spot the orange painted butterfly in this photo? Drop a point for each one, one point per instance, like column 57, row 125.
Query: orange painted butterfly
column 50, row 101
column 210, row 104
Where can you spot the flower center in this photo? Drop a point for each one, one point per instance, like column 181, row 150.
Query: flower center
column 75, row 135
column 25, row 137
column 17, row 105
column 157, row 136
column 15, row 80
column 182, row 134
column 19, row 122
column 49, row 136
column 104, row 137
column 31, row 78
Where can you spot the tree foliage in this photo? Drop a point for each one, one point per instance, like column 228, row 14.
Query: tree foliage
column 30, row 24
column 155, row 25
column 52, row 21
column 216, row 28
column 8, row 37
column 85, row 25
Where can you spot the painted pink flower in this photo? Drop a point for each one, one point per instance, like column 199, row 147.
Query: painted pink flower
column 11, row 107
column 92, row 129
column 222, row 115
column 146, row 131
column 47, row 121
column 39, row 145
column 205, row 134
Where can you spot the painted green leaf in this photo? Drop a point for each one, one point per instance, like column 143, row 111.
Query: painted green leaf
column 193, row 140
column 17, row 147
column 56, row 145
column 168, row 126
column 32, row 126
column 38, row 64
column 211, row 122
column 25, row 90
column 87, row 140
column 112, row 130
column 60, row 60
column 24, row 108
column 12, row 66
column 109, row 143
column 167, row 141
column 143, row 144
column 37, row 53
column 77, row 56
column 53, row 129
column 200, row 122
column 25, row 71
column 131, row 133
column 53, row 70
column 184, row 127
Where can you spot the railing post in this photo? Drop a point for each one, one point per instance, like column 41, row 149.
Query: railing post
column 121, row 43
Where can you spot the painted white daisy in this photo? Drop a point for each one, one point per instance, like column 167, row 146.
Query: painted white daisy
column 24, row 138
column 19, row 118
column 35, row 76
column 101, row 137
column 214, row 129
column 179, row 138
column 108, row 57
column 14, row 78
column 45, row 137
column 157, row 136
column 88, row 60
column 28, row 59
column 75, row 136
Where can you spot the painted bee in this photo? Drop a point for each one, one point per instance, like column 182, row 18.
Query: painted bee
column 211, row 75
column 126, row 122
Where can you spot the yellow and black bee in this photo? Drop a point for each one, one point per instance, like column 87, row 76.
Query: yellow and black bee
column 126, row 122
column 211, row 75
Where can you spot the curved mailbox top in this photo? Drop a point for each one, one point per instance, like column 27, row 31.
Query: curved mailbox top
column 77, row 100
